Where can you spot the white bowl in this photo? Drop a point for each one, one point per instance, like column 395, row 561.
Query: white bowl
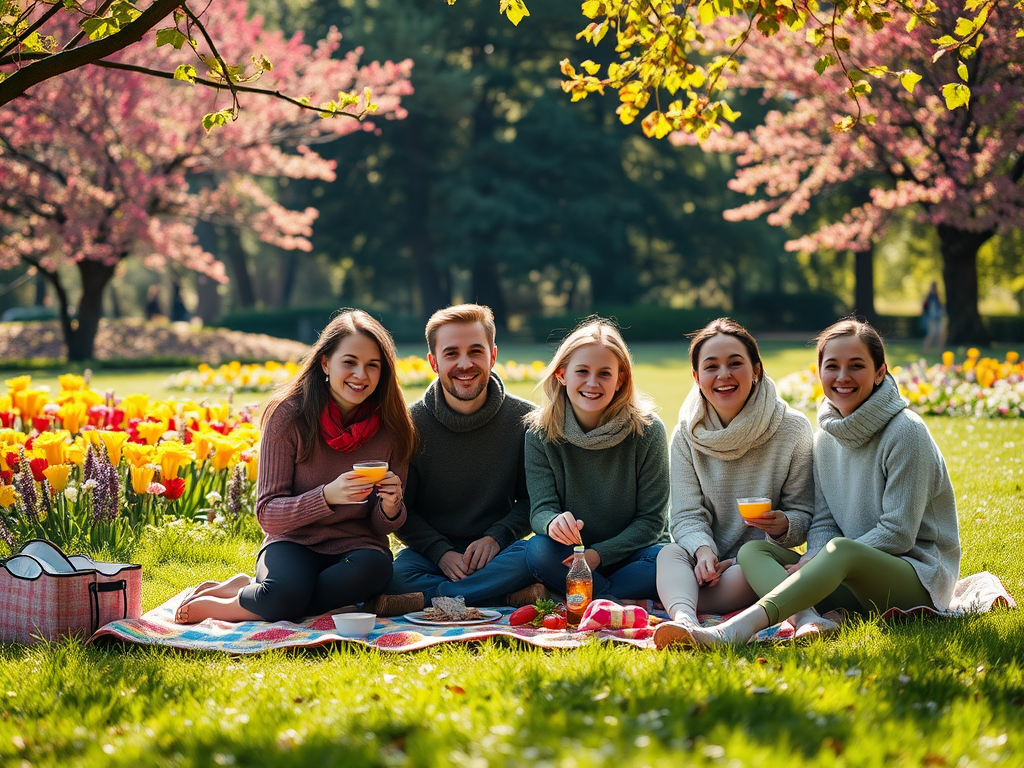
column 354, row 623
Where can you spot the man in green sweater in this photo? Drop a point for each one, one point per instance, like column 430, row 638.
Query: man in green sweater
column 466, row 498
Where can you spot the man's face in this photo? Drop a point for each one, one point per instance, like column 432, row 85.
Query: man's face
column 463, row 359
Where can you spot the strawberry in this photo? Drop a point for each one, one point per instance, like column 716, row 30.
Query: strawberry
column 524, row 615
column 554, row 621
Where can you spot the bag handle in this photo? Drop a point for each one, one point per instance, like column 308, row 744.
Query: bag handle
column 121, row 585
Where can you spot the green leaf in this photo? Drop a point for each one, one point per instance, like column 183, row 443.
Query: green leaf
column 125, row 12
column 842, row 44
column 816, row 36
column 215, row 119
column 170, row 36
column 101, row 27
column 707, row 12
column 961, row 70
column 824, row 63
column 876, row 71
column 186, row 73
column 912, row 23
column 964, row 27
column 909, row 79
column 956, row 95
column 728, row 113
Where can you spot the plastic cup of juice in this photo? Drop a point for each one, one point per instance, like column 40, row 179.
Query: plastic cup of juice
column 373, row 471
column 752, row 507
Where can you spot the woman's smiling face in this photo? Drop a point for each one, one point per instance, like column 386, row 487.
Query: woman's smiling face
column 725, row 375
column 848, row 373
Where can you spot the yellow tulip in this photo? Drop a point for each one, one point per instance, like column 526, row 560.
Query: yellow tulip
column 52, row 445
column 973, row 353
column 201, row 444
column 1011, row 358
column 151, row 431
column 72, row 415
column 171, row 456
column 219, row 412
column 947, row 359
column 8, row 495
column 138, row 455
column 141, row 478
column 76, row 453
column 30, row 403
column 18, row 383
column 70, row 382
column 6, row 402
column 252, row 464
column 57, row 474
column 135, row 406
column 115, row 443
column 224, row 452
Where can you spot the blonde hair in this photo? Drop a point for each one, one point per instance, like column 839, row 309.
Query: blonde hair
column 628, row 402
column 466, row 314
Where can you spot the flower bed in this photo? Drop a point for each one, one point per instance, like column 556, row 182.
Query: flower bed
column 82, row 469
column 979, row 386
column 235, row 377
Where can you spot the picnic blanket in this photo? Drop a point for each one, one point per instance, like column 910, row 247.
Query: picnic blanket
column 975, row 594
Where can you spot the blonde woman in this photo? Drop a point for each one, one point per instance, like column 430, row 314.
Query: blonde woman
column 735, row 438
column 597, row 469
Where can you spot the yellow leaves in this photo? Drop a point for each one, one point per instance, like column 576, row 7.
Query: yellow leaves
column 956, row 95
column 514, row 10
column 591, row 67
column 964, row 27
column 706, row 12
column 8, row 496
column 909, row 79
column 592, row 8
column 656, row 125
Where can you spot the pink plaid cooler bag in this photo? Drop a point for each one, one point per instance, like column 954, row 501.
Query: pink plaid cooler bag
column 45, row 594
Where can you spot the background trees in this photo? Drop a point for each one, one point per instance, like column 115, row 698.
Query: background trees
column 99, row 166
column 959, row 170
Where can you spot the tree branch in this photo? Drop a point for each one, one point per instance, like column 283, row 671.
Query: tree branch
column 65, row 61
column 74, row 41
column 19, row 39
column 236, row 86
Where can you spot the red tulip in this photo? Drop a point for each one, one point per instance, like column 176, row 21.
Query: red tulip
column 41, row 423
column 6, row 419
column 174, row 487
column 38, row 465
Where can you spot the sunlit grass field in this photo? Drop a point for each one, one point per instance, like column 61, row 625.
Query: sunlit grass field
column 926, row 693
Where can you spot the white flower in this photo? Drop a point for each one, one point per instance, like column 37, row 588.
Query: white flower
column 213, row 498
column 71, row 492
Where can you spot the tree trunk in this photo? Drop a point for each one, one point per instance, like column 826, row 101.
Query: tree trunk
column 80, row 332
column 960, row 276
column 432, row 295
column 287, row 268
column 207, row 295
column 241, row 280
column 864, row 284
column 486, row 288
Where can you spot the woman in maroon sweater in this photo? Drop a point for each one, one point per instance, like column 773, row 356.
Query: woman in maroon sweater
column 326, row 544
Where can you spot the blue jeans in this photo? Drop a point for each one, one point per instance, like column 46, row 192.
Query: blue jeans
column 491, row 585
column 634, row 578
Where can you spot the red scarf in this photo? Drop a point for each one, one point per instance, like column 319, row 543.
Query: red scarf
column 341, row 437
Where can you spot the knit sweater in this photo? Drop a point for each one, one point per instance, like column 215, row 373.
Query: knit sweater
column 290, row 503
column 620, row 493
column 764, row 451
column 466, row 479
column 882, row 481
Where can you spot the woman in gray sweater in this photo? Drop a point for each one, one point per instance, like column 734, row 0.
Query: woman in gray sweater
column 735, row 438
column 884, row 532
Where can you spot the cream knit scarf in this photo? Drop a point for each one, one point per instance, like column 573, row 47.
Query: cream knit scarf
column 604, row 436
column 872, row 415
column 755, row 425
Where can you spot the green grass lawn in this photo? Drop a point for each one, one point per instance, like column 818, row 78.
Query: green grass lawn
column 935, row 693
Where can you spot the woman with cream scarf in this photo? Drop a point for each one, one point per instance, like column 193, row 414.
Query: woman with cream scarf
column 735, row 438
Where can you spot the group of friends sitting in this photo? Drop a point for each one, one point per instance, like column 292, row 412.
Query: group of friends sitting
column 473, row 469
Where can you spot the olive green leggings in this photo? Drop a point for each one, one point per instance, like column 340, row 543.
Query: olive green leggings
column 844, row 574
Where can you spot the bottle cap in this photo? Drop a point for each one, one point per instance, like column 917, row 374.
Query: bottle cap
column 579, row 548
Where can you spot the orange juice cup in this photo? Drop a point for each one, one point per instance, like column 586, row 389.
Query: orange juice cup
column 754, row 506
column 373, row 471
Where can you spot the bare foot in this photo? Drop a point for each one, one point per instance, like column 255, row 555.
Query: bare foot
column 816, row 629
column 220, row 608
column 226, row 588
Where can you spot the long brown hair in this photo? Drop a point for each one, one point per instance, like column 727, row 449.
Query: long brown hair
column 310, row 393
column 628, row 402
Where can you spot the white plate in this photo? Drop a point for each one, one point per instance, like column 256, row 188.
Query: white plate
column 419, row 618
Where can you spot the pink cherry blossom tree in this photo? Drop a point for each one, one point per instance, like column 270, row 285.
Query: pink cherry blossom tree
column 959, row 170
column 97, row 165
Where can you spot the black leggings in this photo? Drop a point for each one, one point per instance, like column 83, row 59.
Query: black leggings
column 293, row 581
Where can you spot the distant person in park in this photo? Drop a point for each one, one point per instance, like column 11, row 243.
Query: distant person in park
column 597, row 469
column 153, row 309
column 735, row 438
column 884, row 532
column 467, row 501
column 179, row 312
column 326, row 544
column 933, row 320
